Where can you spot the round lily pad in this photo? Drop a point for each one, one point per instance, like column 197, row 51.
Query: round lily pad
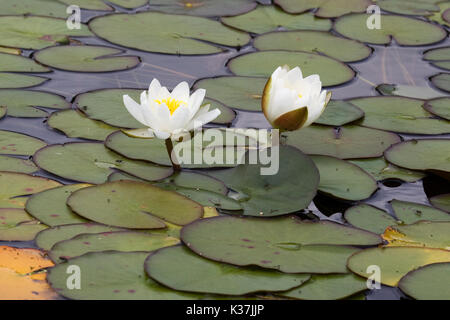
column 348, row 142
column 409, row 7
column 183, row 35
column 17, row 165
column 328, row 287
column 261, row 64
column 441, row 81
column 11, row 80
column 395, row 262
column 441, row 201
column 22, row 103
column 180, row 269
column 439, row 107
column 284, row 244
column 125, row 241
column 17, row 225
column 424, row 154
column 32, row 32
column 50, row 207
column 270, row 18
column 18, row 143
column 343, row 180
column 76, row 125
column 325, row 9
column 430, row 282
column 34, row 7
column 439, row 57
column 135, row 205
column 408, row 91
column 208, row 8
column 85, row 58
column 410, row 212
column 315, row 42
column 102, row 5
column 399, row 114
column 339, row 112
column 18, row 63
column 406, row 31
column 93, row 163
column 369, row 218
column 48, row 237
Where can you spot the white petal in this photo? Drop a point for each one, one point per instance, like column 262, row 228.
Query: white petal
column 162, row 134
column 134, row 109
column 294, row 75
column 316, row 108
column 195, row 101
column 203, row 119
column 179, row 118
column 154, row 88
column 181, row 91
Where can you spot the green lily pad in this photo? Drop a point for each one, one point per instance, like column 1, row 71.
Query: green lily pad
column 343, row 180
column 441, row 202
column 208, row 8
column 15, row 186
column 183, row 35
column 261, row 64
column 326, row 8
column 348, row 142
column 441, row 81
column 242, row 93
column 227, row 115
column 17, row 165
column 34, row 7
column 399, row 114
column 406, row 31
column 270, row 18
column 17, row 225
column 443, row 11
column 338, row 113
column 408, row 91
column 101, row 5
column 135, row 205
column 93, row 163
column 118, row 176
column 409, row 7
column 439, row 57
column 50, row 207
column 180, row 269
column 327, row 287
column 113, row 276
column 285, row 244
column 11, row 80
column 410, row 212
column 124, row 241
column 395, row 262
column 439, row 107
column 19, row 144
column 85, row 58
column 47, row 238
column 198, row 181
column 381, row 170
column 430, row 282
column 315, row 42
column 424, row 154
column 22, row 103
column 76, row 125
column 18, row 63
column 31, row 32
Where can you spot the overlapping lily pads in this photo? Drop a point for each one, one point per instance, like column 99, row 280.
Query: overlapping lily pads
column 207, row 8
column 326, row 8
column 17, row 165
column 406, row 31
column 103, row 6
column 284, row 244
column 19, row 144
column 439, row 57
column 17, row 225
column 442, row 17
column 18, row 63
column 261, row 64
column 34, row 7
column 339, row 112
column 409, row 91
column 315, row 42
column 12, row 80
column 409, row 7
column 183, row 35
column 439, row 107
column 441, row 81
column 441, row 202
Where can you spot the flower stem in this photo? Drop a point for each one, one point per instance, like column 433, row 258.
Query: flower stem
column 169, row 147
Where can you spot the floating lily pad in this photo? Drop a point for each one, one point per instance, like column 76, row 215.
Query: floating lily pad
column 93, row 163
column 18, row 63
column 18, row 143
column 381, row 170
column 50, row 207
column 326, row 8
column 424, row 154
column 285, row 244
column 410, row 212
column 399, row 114
column 408, row 91
column 135, row 205
column 406, row 31
column 348, row 142
column 47, row 238
column 180, row 269
column 441, row 81
column 328, row 287
column 17, row 165
column 22, row 103
column 409, row 7
column 85, row 58
column 443, row 11
column 430, row 282
column 439, row 107
column 183, row 35
column 227, row 115
column 11, row 80
column 17, row 225
column 339, row 112
column 101, row 5
column 208, row 8
column 262, row 64
column 125, row 241
column 31, row 32
column 15, row 186
column 315, row 42
column 439, row 57
column 441, row 201
column 395, row 262
column 270, row 18
column 34, row 7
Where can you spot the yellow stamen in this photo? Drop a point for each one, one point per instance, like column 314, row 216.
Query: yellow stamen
column 299, row 95
column 172, row 104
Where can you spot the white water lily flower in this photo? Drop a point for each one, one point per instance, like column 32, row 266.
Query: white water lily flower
column 291, row 102
column 166, row 114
